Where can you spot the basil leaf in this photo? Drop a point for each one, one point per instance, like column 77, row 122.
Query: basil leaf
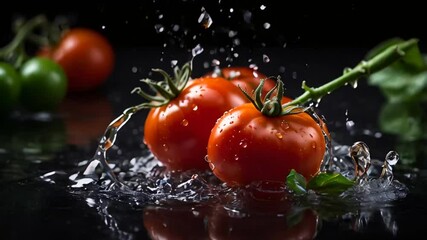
column 296, row 183
column 329, row 183
column 407, row 120
column 404, row 80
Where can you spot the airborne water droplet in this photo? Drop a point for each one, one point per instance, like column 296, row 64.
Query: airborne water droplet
column 279, row 135
column 197, row 50
column 159, row 28
column 195, row 107
column 247, row 16
column 184, row 122
column 267, row 25
column 262, row 7
column 265, row 58
column 205, row 19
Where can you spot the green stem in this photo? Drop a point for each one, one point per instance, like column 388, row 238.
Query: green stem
column 364, row 68
column 21, row 35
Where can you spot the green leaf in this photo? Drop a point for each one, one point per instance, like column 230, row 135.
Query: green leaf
column 404, row 80
column 407, row 120
column 329, row 183
column 296, row 183
column 383, row 46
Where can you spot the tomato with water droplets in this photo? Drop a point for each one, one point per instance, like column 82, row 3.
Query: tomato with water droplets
column 177, row 133
column 246, row 78
column 246, row 146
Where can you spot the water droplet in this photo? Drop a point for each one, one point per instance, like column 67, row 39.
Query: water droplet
column 284, row 124
column 184, row 122
column 247, row 16
column 195, row 107
column 262, row 7
column 354, row 84
column 278, row 135
column 174, row 63
column 392, row 158
column 350, row 125
column 313, row 145
column 211, row 166
column 103, row 27
column 197, row 50
column 243, row 144
column 205, row 19
column 359, row 152
column 267, row 25
column 165, row 147
column 159, row 28
column 175, row 28
column 231, row 10
column 236, row 157
column 294, row 75
column 265, row 58
column 134, row 69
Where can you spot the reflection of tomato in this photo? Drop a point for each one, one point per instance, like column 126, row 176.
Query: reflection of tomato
column 176, row 222
column 246, row 146
column 86, row 117
column 177, row 133
column 224, row 224
column 86, row 57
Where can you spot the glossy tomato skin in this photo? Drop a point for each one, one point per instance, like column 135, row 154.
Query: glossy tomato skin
column 246, row 146
column 245, row 77
column 177, row 133
column 10, row 87
column 86, row 56
column 44, row 84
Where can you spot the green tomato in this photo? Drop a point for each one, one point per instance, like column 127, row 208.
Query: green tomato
column 44, row 84
column 10, row 87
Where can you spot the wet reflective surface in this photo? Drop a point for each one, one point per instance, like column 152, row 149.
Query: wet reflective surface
column 40, row 152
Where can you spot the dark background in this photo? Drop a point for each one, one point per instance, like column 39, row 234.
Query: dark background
column 314, row 24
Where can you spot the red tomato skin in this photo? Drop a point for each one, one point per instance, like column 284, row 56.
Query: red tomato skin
column 86, row 56
column 246, row 146
column 246, row 78
column 177, row 133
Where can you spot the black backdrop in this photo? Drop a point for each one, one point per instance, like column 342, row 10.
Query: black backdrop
column 296, row 23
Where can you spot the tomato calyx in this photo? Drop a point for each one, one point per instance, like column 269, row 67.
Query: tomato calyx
column 167, row 89
column 271, row 104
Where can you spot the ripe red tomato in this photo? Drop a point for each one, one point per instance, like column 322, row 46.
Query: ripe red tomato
column 178, row 132
column 245, row 77
column 246, row 146
column 86, row 56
